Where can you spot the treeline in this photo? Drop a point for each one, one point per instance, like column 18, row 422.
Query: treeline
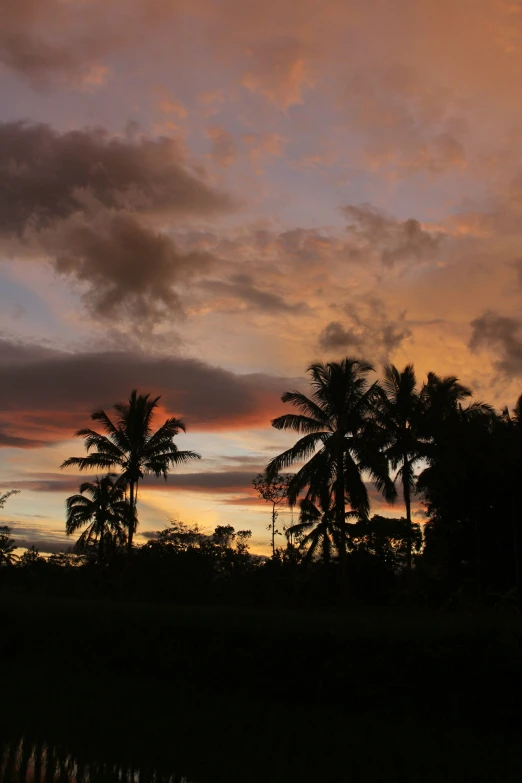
column 452, row 462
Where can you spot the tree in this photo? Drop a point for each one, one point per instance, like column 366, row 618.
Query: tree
column 400, row 418
column 461, row 484
column 7, row 544
column 340, row 441
column 511, row 468
column 7, row 495
column 104, row 510
column 133, row 446
column 274, row 490
column 7, row 547
column 30, row 558
column 317, row 530
column 386, row 538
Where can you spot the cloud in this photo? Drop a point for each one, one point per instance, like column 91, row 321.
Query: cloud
column 241, row 288
column 41, row 537
column 68, row 40
column 367, row 330
column 279, row 69
column 48, row 175
column 212, row 482
column 129, row 269
column 501, row 334
column 46, row 482
column 7, row 440
column 50, row 394
column 394, row 241
column 223, row 147
column 75, row 198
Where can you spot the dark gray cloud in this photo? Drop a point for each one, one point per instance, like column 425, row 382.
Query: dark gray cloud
column 213, row 481
column 49, row 395
column 46, row 482
column 7, row 440
column 502, row 335
column 43, row 538
column 366, row 330
column 76, row 196
column 129, row 270
column 46, row 175
column 242, row 288
column 391, row 239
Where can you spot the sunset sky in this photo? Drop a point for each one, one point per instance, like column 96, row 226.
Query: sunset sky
column 200, row 197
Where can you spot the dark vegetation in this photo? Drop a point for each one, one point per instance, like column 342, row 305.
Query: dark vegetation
column 366, row 648
column 459, row 461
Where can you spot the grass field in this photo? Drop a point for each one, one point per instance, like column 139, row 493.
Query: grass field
column 268, row 695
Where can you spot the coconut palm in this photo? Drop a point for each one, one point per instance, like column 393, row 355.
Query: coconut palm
column 105, row 511
column 340, row 440
column 131, row 445
column 317, row 531
column 400, row 418
column 441, row 400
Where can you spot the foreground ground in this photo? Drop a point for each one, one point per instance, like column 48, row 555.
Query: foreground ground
column 267, row 695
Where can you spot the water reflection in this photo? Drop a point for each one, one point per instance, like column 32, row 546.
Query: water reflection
column 26, row 761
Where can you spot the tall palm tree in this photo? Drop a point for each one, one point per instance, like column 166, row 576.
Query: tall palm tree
column 399, row 416
column 441, row 400
column 104, row 509
column 133, row 446
column 340, row 441
column 317, row 530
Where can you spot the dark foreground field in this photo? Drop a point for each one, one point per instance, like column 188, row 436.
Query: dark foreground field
column 215, row 694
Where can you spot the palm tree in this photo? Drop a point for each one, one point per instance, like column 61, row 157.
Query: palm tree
column 399, row 416
column 317, row 530
column 106, row 512
column 339, row 443
column 441, row 400
column 133, row 446
column 7, row 547
column 457, row 439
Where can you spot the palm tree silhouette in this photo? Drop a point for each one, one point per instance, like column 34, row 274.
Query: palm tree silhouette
column 106, row 512
column 399, row 416
column 340, row 441
column 317, row 530
column 133, row 446
column 7, row 547
column 441, row 400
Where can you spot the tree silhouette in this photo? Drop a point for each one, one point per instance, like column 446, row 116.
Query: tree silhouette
column 7, row 547
column 274, row 490
column 399, row 416
column 512, row 470
column 317, row 530
column 133, row 446
column 104, row 510
column 340, row 441
column 7, row 544
column 461, row 484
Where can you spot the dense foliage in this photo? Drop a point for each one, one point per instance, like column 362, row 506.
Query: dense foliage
column 454, row 463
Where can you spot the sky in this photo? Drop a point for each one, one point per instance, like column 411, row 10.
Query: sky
column 198, row 198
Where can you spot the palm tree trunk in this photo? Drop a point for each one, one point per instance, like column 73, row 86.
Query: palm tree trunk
column 132, row 504
column 340, row 513
column 100, row 548
column 516, row 551
column 273, row 528
column 407, row 503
